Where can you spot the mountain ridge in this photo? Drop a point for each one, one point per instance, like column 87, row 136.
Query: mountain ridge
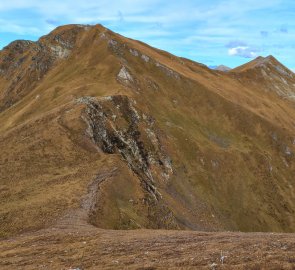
column 277, row 78
column 182, row 146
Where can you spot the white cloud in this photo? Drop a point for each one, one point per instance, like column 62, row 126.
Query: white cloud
column 242, row 51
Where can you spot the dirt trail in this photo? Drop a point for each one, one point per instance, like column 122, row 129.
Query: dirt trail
column 72, row 243
column 77, row 219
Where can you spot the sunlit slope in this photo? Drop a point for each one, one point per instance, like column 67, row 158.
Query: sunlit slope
column 177, row 145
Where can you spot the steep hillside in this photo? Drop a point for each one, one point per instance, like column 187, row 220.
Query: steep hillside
column 128, row 136
column 270, row 75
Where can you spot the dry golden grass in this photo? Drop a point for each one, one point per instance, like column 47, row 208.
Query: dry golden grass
column 227, row 139
column 146, row 249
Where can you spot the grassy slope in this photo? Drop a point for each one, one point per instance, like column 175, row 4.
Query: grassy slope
column 229, row 171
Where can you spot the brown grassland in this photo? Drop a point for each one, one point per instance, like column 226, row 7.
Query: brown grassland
column 101, row 134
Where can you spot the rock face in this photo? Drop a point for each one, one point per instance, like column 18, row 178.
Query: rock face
column 276, row 77
column 124, row 75
column 28, row 62
column 117, row 127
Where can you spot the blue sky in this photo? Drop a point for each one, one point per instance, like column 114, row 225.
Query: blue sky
column 229, row 32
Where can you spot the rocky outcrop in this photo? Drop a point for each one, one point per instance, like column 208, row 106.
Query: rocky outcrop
column 116, row 126
column 270, row 75
column 125, row 76
column 28, row 62
column 169, row 72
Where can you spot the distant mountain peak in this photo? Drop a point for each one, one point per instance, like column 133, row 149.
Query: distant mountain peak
column 267, row 60
column 270, row 74
column 222, row 68
column 262, row 62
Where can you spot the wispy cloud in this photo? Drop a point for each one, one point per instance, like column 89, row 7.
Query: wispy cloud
column 243, row 51
column 236, row 43
column 264, row 34
column 52, row 22
column 283, row 29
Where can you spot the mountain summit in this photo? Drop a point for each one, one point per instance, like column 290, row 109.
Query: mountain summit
column 270, row 74
column 222, row 68
column 263, row 62
column 101, row 130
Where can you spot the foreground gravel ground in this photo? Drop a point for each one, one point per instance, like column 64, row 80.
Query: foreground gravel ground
column 91, row 248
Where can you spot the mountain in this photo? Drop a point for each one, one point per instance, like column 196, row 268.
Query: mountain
column 222, row 68
column 270, row 74
column 98, row 129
